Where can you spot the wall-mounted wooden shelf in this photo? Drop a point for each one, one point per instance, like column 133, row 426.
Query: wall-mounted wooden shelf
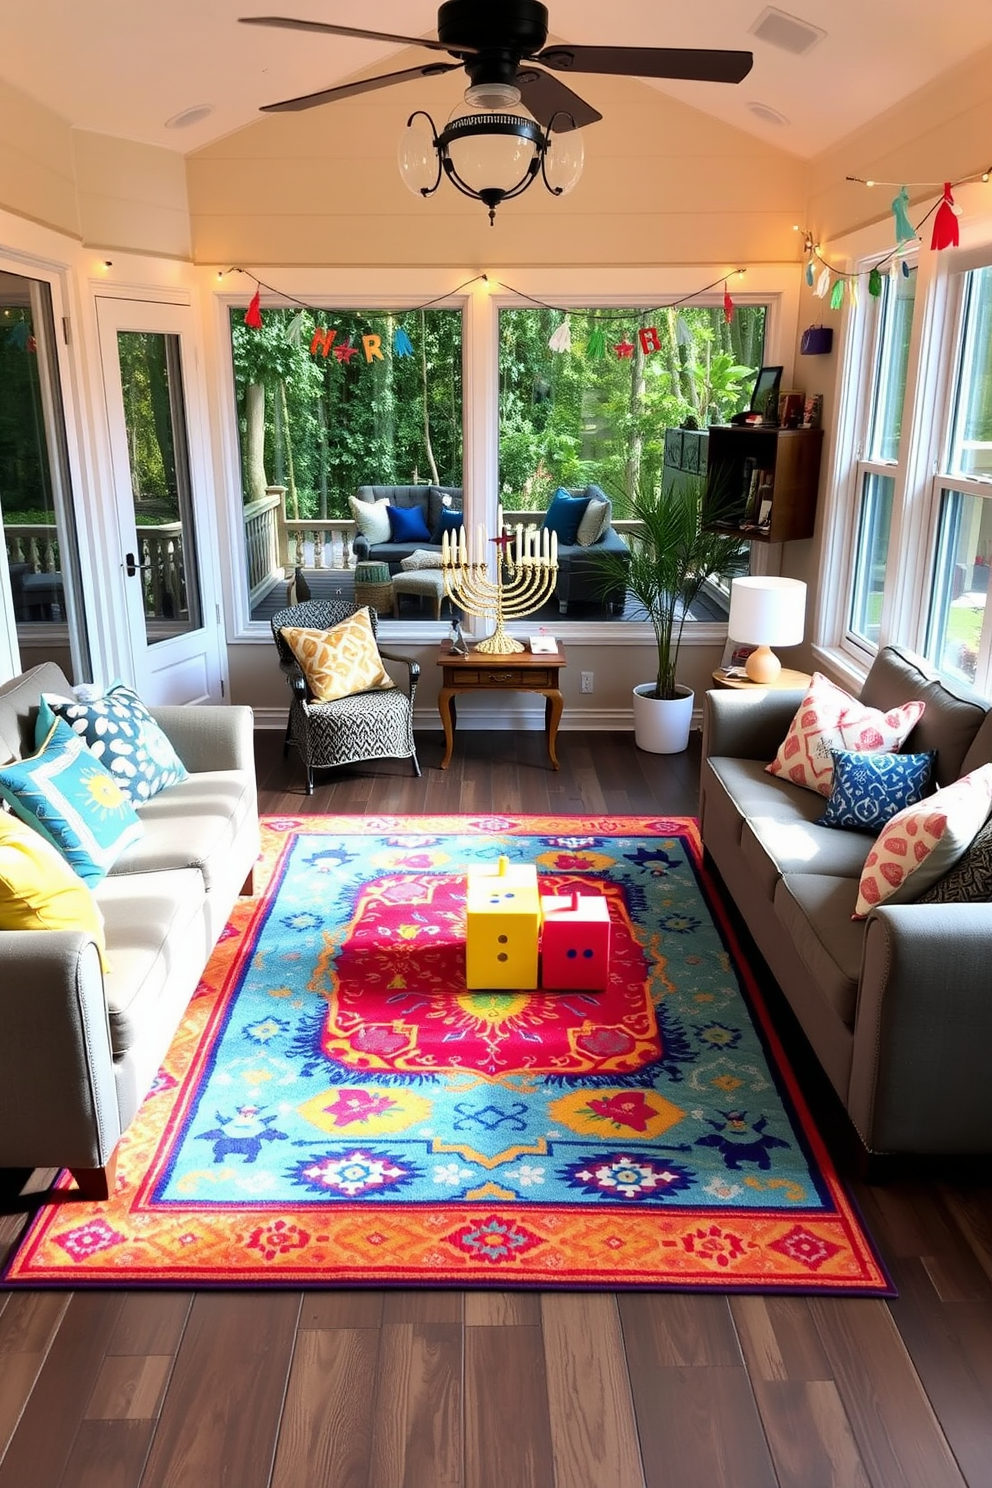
column 748, row 466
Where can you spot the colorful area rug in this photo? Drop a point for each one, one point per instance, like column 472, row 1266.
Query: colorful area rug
column 337, row 1110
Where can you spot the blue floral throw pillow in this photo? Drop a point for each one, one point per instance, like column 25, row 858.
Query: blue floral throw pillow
column 73, row 801
column 870, row 787
column 123, row 735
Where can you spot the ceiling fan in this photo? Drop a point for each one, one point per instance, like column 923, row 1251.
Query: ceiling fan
column 514, row 102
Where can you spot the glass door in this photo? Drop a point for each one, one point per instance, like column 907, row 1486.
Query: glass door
column 177, row 642
column 36, row 508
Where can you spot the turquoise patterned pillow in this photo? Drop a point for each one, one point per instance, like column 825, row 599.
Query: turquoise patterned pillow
column 871, row 786
column 123, row 735
column 77, row 805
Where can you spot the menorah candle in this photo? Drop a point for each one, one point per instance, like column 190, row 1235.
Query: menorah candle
column 518, row 549
column 554, row 549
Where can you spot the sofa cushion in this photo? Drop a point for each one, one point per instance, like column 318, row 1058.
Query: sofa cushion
column 970, row 880
column 422, row 558
column 408, row 524
column 119, row 730
column 952, row 717
column 192, row 825
column 980, row 748
column 68, row 796
column 448, row 521
column 774, row 846
column 38, row 889
column 814, row 910
column 339, row 662
column 371, row 519
column 593, row 523
column 564, row 515
column 150, row 920
column 870, row 787
column 19, row 700
column 829, row 718
column 919, row 845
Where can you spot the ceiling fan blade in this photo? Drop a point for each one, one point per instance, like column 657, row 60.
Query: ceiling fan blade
column 650, row 62
column 350, row 90
column 324, row 28
column 546, row 97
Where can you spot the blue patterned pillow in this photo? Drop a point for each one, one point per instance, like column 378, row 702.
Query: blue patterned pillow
column 564, row 515
column 76, row 804
column 123, row 735
column 871, row 786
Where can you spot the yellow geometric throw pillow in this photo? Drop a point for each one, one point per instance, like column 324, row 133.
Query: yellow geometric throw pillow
column 341, row 661
column 38, row 889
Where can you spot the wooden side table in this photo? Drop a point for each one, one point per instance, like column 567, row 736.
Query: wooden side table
column 518, row 672
column 785, row 679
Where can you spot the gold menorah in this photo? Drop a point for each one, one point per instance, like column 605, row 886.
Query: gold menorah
column 525, row 567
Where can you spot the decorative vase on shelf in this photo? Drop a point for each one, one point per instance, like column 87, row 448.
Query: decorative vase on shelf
column 661, row 725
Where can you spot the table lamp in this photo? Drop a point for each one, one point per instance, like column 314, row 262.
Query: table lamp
column 766, row 611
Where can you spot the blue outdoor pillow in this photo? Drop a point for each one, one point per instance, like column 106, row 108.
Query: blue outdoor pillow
column 67, row 795
column 407, row 524
column 871, row 786
column 449, row 521
column 564, row 515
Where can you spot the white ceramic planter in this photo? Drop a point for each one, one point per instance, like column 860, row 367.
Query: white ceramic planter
column 661, row 725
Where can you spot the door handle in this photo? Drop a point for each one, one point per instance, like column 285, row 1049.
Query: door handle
column 132, row 566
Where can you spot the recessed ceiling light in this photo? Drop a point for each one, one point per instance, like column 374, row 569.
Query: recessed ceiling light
column 190, row 116
column 785, row 31
column 768, row 114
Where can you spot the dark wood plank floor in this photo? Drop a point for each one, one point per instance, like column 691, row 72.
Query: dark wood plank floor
column 420, row 1389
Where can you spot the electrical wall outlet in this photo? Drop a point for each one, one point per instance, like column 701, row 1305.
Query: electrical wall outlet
column 585, row 681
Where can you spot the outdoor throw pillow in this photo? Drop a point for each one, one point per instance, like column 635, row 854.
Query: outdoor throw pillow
column 870, row 787
column 408, row 524
column 919, row 845
column 970, row 880
column 564, row 515
column 341, row 661
column 123, row 735
column 38, row 889
column 594, row 522
column 829, row 718
column 421, row 558
column 371, row 519
column 448, row 521
column 73, row 801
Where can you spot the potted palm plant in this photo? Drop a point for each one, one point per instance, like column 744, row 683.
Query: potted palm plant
column 672, row 555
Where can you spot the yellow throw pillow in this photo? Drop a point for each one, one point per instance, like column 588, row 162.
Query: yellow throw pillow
column 38, row 889
column 341, row 661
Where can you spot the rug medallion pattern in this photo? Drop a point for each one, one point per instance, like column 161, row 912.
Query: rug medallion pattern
column 338, row 1110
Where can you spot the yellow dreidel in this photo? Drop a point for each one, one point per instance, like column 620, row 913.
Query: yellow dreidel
column 503, row 924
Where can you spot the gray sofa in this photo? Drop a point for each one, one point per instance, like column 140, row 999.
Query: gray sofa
column 81, row 1047
column 897, row 1007
column 580, row 575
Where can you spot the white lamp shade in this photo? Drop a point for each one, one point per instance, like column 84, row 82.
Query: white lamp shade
column 767, row 611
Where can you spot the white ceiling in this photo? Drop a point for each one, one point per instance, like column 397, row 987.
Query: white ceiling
column 125, row 67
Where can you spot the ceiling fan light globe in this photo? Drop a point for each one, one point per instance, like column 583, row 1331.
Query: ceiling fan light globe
column 492, row 151
column 417, row 156
column 563, row 161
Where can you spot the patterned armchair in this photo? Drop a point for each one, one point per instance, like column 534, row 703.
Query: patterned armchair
column 365, row 726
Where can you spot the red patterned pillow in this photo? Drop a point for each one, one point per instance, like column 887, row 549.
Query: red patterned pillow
column 829, row 718
column 921, row 843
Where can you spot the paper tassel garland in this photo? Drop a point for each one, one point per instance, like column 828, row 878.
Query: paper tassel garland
column 810, row 273
column 945, row 223
column 596, row 346
column 728, row 305
column 561, row 339
column 822, row 284
column 402, row 345
column 837, row 295
column 874, row 284
column 253, row 315
column 905, row 231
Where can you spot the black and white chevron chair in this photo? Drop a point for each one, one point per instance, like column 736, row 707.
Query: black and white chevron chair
column 365, row 726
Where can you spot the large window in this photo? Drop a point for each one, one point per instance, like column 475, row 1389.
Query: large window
column 327, row 401
column 596, row 409
column 878, row 462
column 957, row 634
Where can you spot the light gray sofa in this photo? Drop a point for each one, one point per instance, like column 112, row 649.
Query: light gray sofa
column 897, row 1007
column 81, row 1047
